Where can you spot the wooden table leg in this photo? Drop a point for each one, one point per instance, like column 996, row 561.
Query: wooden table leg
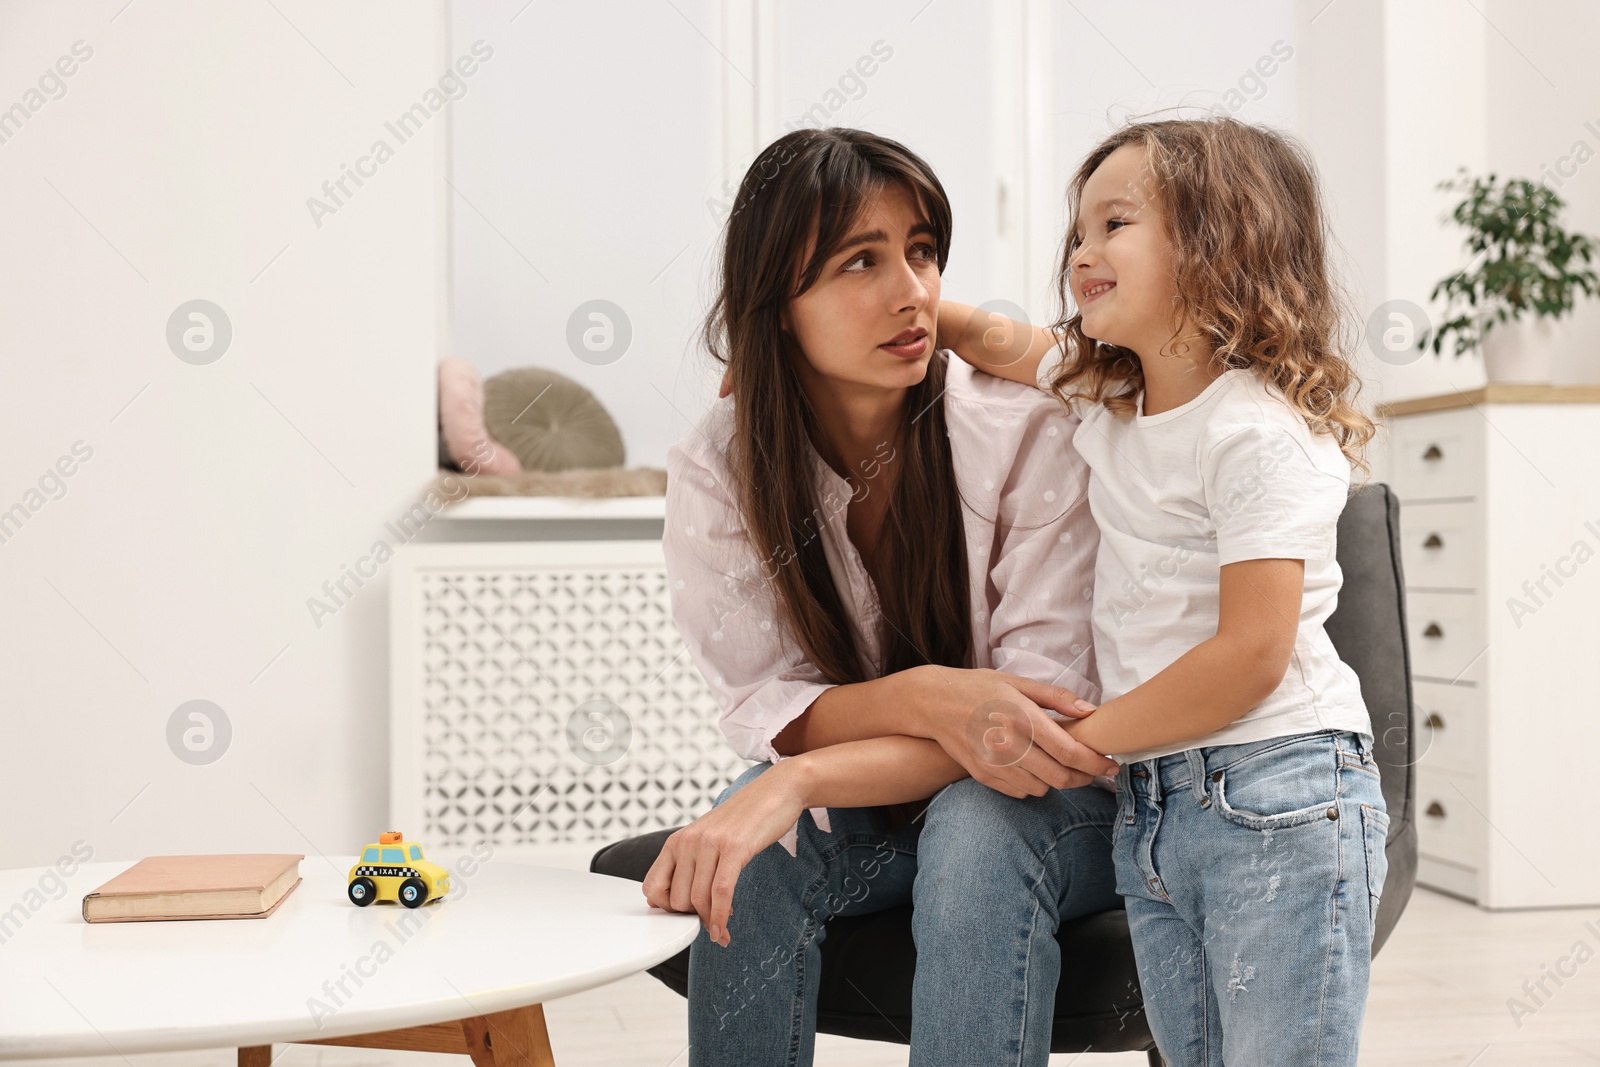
column 515, row 1038
column 256, row 1056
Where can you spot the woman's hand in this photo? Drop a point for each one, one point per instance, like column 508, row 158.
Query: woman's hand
column 995, row 725
column 700, row 864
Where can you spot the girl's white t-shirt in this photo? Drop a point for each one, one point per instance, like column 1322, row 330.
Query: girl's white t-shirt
column 1234, row 474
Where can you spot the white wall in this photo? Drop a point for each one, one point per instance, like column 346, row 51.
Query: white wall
column 594, row 145
column 217, row 498
column 1399, row 94
column 1436, row 75
column 1343, row 108
column 1542, row 105
column 582, row 165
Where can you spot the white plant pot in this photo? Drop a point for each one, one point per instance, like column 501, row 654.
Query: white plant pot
column 1522, row 351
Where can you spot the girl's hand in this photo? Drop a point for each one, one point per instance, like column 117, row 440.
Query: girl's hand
column 994, row 343
column 995, row 725
column 988, row 340
column 700, row 864
column 1108, row 782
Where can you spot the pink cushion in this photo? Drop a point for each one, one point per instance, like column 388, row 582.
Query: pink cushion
column 466, row 439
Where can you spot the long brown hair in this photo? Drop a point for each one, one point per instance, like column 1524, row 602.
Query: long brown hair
column 817, row 184
column 1245, row 218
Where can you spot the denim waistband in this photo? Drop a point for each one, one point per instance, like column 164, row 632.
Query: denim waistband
column 1191, row 767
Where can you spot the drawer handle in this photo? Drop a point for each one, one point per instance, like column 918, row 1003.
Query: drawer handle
column 1433, row 630
column 1433, row 541
column 1436, row 810
column 1434, row 722
column 1433, row 453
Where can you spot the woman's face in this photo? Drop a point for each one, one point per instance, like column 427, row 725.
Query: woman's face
column 880, row 286
column 1122, row 266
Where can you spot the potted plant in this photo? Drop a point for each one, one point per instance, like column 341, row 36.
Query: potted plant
column 1525, row 273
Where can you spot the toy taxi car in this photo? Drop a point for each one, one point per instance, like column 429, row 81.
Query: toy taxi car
column 393, row 869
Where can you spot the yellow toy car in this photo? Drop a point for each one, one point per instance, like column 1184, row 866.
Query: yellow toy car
column 393, row 869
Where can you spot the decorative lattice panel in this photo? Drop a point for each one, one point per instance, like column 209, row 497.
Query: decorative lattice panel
column 551, row 700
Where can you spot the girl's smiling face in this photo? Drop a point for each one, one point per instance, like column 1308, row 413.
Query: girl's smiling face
column 1122, row 258
column 880, row 286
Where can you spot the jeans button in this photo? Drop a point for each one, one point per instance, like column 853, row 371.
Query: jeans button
column 1333, row 813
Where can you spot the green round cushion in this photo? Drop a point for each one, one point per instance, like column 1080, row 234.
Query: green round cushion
column 550, row 422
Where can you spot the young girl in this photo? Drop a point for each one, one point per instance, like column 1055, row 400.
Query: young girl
column 1218, row 426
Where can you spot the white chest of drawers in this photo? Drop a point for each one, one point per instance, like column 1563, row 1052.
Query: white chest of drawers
column 1500, row 527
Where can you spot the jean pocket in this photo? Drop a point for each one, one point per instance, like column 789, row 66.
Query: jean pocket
column 1375, row 831
column 1293, row 784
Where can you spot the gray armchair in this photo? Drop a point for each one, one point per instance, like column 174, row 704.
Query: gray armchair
column 868, row 961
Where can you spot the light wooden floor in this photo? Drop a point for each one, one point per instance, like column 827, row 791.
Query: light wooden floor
column 1439, row 999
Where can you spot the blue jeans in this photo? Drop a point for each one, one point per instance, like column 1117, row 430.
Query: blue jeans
column 1251, row 875
column 989, row 877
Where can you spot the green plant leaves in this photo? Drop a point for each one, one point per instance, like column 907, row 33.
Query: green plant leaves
column 1523, row 260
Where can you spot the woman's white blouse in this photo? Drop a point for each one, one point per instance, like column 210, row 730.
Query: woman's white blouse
column 1030, row 550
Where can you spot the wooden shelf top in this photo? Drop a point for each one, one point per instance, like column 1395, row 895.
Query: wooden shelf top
column 1494, row 394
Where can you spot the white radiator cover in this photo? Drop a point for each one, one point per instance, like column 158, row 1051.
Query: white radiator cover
column 542, row 701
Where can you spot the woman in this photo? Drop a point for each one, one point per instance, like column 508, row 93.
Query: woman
column 879, row 562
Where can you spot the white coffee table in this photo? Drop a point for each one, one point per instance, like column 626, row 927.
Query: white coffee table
column 466, row 974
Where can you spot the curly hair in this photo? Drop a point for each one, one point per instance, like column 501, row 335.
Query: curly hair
column 1243, row 212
